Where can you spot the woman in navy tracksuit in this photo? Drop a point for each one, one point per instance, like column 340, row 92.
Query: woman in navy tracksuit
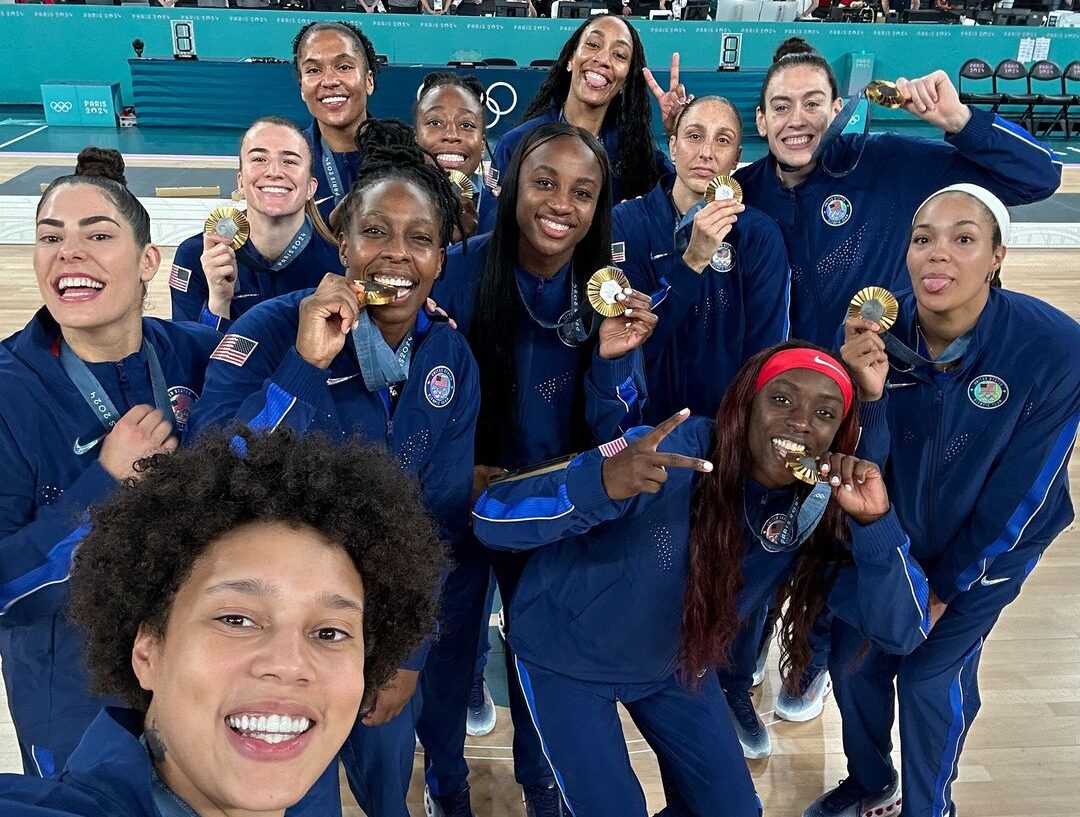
column 335, row 62
column 718, row 272
column 549, row 386
column 621, row 601
column 975, row 429
column 315, row 361
column 289, row 247
column 91, row 386
column 844, row 204
column 597, row 83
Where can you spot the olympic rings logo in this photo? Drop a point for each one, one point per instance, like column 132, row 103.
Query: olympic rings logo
column 60, row 106
column 493, row 104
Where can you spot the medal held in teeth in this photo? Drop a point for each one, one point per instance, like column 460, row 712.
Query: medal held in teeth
column 603, row 289
column 230, row 223
column 376, row 294
column 722, row 188
column 885, row 93
column 804, row 468
column 875, row 304
column 463, row 183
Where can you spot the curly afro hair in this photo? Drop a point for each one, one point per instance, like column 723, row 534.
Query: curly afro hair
column 145, row 540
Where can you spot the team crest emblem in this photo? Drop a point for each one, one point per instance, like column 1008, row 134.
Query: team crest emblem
column 987, row 391
column 773, row 526
column 439, row 387
column 183, row 400
column 723, row 259
column 836, row 210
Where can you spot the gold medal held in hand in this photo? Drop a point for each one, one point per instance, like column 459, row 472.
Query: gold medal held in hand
column 463, row 183
column 230, row 223
column 723, row 187
column 804, row 468
column 875, row 304
column 885, row 93
column 603, row 289
column 376, row 294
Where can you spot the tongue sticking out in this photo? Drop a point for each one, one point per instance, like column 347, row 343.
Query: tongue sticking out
column 935, row 285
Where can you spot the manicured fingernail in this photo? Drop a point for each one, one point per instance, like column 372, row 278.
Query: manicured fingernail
column 848, row 488
column 684, row 412
column 834, row 481
column 706, row 466
column 629, row 311
column 824, row 467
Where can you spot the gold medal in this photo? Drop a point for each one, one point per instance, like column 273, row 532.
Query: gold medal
column 230, row 223
column 875, row 304
column 463, row 183
column 884, row 92
column 723, row 187
column 804, row 468
column 603, row 290
column 376, row 294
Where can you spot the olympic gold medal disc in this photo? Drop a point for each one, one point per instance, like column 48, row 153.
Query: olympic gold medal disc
column 875, row 304
column 603, row 289
column 463, row 183
column 883, row 92
column 376, row 294
column 804, row 468
column 229, row 223
column 723, row 187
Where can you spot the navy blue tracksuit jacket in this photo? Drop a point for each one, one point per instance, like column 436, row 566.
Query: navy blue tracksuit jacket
column 49, row 444
column 327, row 194
column 846, row 233
column 711, row 321
column 256, row 280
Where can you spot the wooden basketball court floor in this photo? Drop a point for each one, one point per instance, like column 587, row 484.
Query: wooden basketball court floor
column 1022, row 757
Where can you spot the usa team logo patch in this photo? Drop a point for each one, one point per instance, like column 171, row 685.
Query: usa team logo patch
column 183, row 400
column 179, row 278
column 836, row 210
column 234, row 349
column 988, row 392
column 618, row 252
column 439, row 387
column 723, row 259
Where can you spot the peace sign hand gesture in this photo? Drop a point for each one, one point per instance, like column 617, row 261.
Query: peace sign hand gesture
column 673, row 100
column 639, row 468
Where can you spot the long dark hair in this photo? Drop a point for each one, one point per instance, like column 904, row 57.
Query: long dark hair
column 631, row 110
column 718, row 542
column 493, row 334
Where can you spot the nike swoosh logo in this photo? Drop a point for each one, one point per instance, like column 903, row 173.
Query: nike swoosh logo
column 320, row 201
column 991, row 582
column 897, row 385
column 82, row 448
column 333, row 381
column 246, row 295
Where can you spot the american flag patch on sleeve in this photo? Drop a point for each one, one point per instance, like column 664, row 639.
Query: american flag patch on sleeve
column 179, row 278
column 491, row 177
column 234, row 349
column 612, row 448
column 618, row 252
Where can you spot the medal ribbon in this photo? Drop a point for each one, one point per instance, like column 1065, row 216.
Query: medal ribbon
column 333, row 177
column 684, row 227
column 799, row 523
column 832, row 133
column 296, row 246
column 380, row 366
column 571, row 326
column 95, row 396
column 953, row 352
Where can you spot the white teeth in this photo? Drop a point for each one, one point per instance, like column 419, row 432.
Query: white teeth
column 595, row 79
column 554, row 225
column 789, row 445
column 272, row 723
column 333, row 100
column 797, row 140
column 69, row 281
column 269, row 729
column 392, row 281
column 280, row 190
column 450, row 158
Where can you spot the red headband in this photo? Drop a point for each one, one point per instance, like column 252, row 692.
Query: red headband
column 811, row 359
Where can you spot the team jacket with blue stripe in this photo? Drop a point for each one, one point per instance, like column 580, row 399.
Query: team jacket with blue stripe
column 709, row 322
column 601, row 598
column 49, row 444
column 549, row 373
column 977, row 458
column 430, row 431
column 508, row 142
column 255, row 280
column 348, row 168
column 846, row 233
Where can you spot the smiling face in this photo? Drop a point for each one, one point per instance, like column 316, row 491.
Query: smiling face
column 89, row 269
column 558, row 186
column 258, row 677
column 952, row 252
column 798, row 110
column 334, row 80
column 450, row 123
column 393, row 239
column 797, row 411
column 275, row 170
column 706, row 144
column 601, row 62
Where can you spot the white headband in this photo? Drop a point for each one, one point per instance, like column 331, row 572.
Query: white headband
column 993, row 204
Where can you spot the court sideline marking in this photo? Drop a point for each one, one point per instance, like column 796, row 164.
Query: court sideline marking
column 24, row 136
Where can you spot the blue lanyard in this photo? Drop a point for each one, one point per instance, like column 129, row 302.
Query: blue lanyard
column 800, row 521
column 296, row 246
column 97, row 398
column 380, row 366
column 953, row 352
column 684, row 226
column 333, row 178
column 571, row 324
